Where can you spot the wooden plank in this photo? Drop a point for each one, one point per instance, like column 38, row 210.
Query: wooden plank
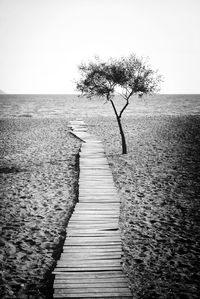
column 93, row 211
column 90, row 285
column 99, row 210
column 98, row 198
column 98, row 195
column 90, row 275
column 98, row 176
column 94, row 274
column 95, row 226
column 94, row 295
column 94, row 290
column 96, row 238
column 100, row 205
column 78, row 259
column 79, row 243
column 88, row 231
column 92, row 208
column 89, row 264
column 92, row 264
column 91, row 255
column 92, row 222
column 68, row 249
column 97, row 185
column 88, row 268
column 91, row 242
column 94, row 163
column 108, row 220
column 89, row 219
column 90, row 248
column 95, row 217
column 98, row 190
column 91, row 171
column 86, row 225
column 96, row 210
column 75, row 280
column 92, row 229
column 80, row 233
column 87, row 216
column 72, row 256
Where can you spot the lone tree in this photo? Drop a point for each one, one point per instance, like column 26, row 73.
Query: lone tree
column 125, row 76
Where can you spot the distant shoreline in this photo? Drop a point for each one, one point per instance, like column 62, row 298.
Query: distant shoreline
column 77, row 94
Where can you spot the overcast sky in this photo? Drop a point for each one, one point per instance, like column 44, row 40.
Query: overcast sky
column 43, row 41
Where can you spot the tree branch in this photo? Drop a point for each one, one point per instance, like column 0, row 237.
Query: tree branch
column 115, row 110
column 127, row 103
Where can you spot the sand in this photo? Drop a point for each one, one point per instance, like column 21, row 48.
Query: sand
column 158, row 182
column 39, row 173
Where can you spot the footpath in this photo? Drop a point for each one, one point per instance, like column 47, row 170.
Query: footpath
column 90, row 265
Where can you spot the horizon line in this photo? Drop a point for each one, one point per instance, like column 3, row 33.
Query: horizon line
column 70, row 93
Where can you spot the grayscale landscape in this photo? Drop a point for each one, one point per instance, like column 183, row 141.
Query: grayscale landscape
column 99, row 149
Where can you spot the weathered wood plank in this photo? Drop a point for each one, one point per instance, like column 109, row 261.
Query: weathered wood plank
column 83, row 286
column 91, row 275
column 87, row 234
column 100, row 212
column 77, row 280
column 90, row 248
column 96, row 238
column 89, row 264
column 77, row 258
column 94, row 295
column 115, row 290
column 103, row 206
column 98, row 218
column 89, row 268
column 100, row 197
column 96, row 243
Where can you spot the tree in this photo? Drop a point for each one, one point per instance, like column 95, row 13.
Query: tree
column 125, row 76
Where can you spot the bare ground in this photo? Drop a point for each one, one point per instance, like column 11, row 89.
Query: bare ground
column 38, row 176
column 159, row 184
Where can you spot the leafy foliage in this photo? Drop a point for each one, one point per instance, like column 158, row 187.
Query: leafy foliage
column 127, row 76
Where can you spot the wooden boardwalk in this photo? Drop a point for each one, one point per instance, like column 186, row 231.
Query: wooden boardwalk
column 90, row 265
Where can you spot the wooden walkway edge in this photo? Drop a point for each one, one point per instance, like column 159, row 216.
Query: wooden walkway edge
column 90, row 265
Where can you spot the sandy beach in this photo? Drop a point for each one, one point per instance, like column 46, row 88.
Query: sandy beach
column 158, row 183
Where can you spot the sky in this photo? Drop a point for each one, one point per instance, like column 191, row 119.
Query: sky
column 42, row 42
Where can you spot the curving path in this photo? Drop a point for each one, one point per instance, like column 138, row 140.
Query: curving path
column 90, row 265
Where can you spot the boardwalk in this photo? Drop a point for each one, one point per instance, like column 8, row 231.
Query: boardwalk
column 90, row 265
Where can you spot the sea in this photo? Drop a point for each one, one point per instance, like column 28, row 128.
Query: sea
column 74, row 106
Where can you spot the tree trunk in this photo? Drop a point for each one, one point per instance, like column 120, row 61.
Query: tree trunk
column 124, row 147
